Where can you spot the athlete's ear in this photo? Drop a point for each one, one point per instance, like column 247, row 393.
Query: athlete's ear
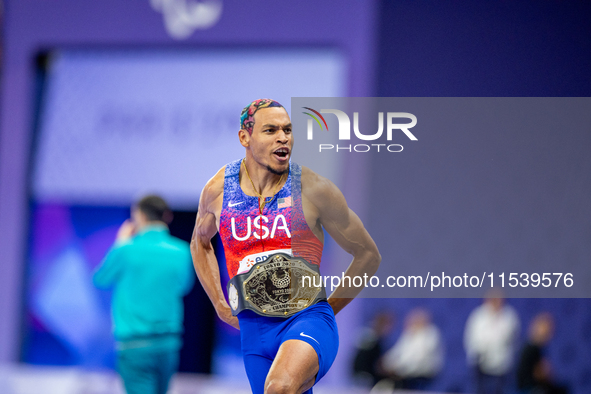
column 244, row 137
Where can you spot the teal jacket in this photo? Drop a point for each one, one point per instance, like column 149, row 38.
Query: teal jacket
column 150, row 274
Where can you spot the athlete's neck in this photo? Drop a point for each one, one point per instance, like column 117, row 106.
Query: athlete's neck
column 266, row 181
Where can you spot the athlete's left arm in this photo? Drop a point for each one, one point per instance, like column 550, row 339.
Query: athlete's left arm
column 345, row 227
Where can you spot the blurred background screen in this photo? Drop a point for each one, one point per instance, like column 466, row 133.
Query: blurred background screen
column 110, row 121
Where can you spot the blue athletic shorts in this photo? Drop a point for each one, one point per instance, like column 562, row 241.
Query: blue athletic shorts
column 261, row 337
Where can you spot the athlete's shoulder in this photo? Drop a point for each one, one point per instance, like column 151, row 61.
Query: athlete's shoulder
column 213, row 189
column 315, row 186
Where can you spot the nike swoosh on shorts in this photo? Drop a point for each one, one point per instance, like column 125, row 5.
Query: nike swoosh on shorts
column 304, row 335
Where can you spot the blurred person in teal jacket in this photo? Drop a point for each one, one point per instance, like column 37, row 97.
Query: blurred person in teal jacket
column 150, row 271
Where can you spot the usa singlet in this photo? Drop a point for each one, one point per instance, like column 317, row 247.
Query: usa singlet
column 250, row 237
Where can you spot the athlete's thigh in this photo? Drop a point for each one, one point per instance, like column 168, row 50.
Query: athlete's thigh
column 295, row 367
column 257, row 367
column 317, row 327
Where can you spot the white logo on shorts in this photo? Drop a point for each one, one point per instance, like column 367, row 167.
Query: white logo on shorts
column 304, row 335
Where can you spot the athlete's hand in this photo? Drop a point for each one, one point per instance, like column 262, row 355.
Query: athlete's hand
column 226, row 316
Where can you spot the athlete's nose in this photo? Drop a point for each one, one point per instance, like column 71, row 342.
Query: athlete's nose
column 282, row 137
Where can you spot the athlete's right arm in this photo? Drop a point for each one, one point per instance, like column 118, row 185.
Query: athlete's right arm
column 204, row 260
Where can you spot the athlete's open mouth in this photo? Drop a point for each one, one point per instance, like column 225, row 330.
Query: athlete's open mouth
column 281, row 152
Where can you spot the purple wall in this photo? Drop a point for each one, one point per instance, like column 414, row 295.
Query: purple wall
column 31, row 26
column 515, row 48
column 518, row 48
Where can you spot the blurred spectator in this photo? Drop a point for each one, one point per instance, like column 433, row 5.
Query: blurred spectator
column 417, row 356
column 370, row 348
column 534, row 372
column 150, row 271
column 490, row 342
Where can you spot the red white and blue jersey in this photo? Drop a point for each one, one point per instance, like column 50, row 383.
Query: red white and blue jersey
column 250, row 236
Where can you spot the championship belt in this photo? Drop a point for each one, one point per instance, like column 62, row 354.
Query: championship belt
column 280, row 286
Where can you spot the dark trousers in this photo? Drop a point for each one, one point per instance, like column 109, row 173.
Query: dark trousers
column 418, row 384
column 489, row 384
column 147, row 370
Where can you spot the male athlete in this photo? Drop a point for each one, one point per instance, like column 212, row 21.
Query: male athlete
column 263, row 205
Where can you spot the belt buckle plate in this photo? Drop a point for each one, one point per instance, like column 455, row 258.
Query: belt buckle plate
column 276, row 287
